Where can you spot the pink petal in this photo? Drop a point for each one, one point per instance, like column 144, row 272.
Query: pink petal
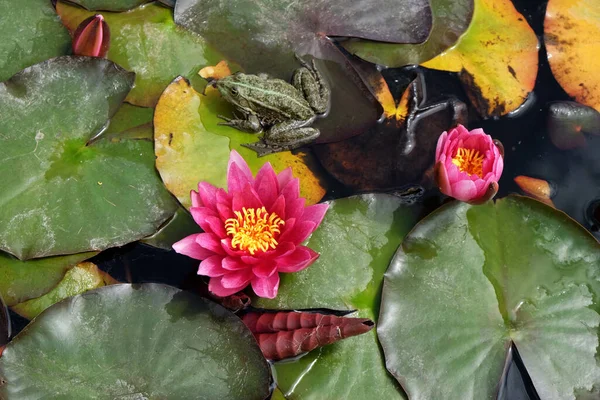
column 442, row 180
column 207, row 193
column 295, row 208
column 215, row 286
column 278, row 207
column 265, row 269
column 440, row 145
column 229, row 250
column 464, row 190
column 196, row 199
column 298, row 260
column 225, row 212
column 249, row 260
column 189, row 247
column 266, row 287
column 200, row 214
column 236, row 279
column 217, row 226
column 212, row 267
column 236, row 158
column 291, row 191
column 211, row 242
column 266, row 185
column 233, row 264
column 247, row 198
column 284, row 177
column 238, row 173
column 299, row 233
column 315, row 213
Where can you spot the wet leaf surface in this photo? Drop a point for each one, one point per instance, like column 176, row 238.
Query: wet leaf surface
column 31, row 32
column 147, row 41
column 475, row 278
column 569, row 122
column 24, row 280
column 571, row 31
column 179, row 226
column 262, row 37
column 356, row 241
column 45, row 158
column 110, row 5
column 497, row 58
column 190, row 147
column 451, row 18
column 398, row 151
column 79, row 279
column 172, row 344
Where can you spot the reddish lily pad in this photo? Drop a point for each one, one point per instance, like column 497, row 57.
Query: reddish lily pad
column 63, row 192
column 263, row 36
column 497, row 58
column 190, row 147
column 470, row 280
column 131, row 342
column 356, row 242
column 450, row 19
column 31, row 32
column 146, row 41
column 571, row 32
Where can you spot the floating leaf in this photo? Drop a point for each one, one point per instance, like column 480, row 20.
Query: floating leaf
column 401, row 149
column 79, row 279
column 287, row 334
column 537, row 188
column 145, row 341
column 469, row 280
column 24, row 280
column 31, row 32
column 147, row 42
column 571, row 31
column 497, row 58
column 190, row 147
column 263, row 36
column 450, row 19
column 179, row 226
column 356, row 240
column 109, row 5
column 60, row 193
column 569, row 121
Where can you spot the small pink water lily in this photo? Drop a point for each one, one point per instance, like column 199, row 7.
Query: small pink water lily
column 468, row 164
column 253, row 231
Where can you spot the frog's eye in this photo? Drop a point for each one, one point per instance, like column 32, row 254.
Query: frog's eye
column 233, row 91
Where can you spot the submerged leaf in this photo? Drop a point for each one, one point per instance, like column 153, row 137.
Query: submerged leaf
column 450, row 19
column 131, row 342
column 31, row 32
column 190, row 147
column 49, row 153
column 569, row 121
column 496, row 58
column 470, row 280
column 571, row 31
column 288, row 334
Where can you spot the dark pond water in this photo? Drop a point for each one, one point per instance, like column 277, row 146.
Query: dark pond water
column 573, row 174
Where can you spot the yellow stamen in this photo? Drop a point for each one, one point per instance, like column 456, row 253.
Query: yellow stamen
column 469, row 161
column 254, row 230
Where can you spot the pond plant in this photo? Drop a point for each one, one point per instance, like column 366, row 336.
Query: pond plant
column 317, row 199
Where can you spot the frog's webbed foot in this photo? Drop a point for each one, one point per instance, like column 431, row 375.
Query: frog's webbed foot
column 285, row 136
column 251, row 124
column 309, row 81
column 263, row 149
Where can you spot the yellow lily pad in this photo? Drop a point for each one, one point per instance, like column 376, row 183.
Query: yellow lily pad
column 496, row 58
column 572, row 39
column 191, row 147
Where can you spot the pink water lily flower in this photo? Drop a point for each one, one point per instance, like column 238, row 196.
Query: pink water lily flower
column 468, row 164
column 253, row 231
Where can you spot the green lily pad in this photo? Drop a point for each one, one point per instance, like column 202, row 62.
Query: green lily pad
column 110, row 5
column 147, row 41
column 356, row 240
column 146, row 341
column 24, row 280
column 190, row 147
column 469, row 280
column 179, row 226
column 263, row 36
column 31, row 32
column 451, row 18
column 79, row 279
column 61, row 194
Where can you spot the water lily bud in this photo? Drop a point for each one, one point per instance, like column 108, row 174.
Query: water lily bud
column 468, row 165
column 92, row 37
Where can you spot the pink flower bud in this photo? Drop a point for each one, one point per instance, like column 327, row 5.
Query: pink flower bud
column 92, row 37
column 468, row 164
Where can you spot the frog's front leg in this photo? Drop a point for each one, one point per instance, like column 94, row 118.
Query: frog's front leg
column 250, row 124
column 309, row 81
column 284, row 136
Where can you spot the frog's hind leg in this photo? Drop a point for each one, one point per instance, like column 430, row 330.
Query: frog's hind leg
column 251, row 124
column 309, row 81
column 284, row 136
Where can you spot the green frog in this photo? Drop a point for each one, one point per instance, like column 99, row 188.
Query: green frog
column 276, row 108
